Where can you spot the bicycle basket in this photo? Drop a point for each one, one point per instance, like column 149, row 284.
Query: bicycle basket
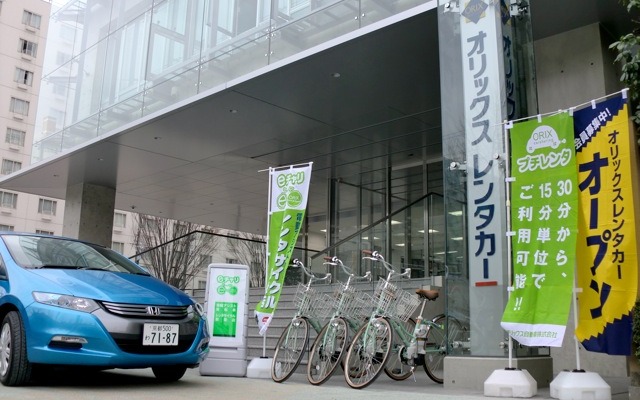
column 311, row 303
column 394, row 302
column 362, row 306
column 351, row 303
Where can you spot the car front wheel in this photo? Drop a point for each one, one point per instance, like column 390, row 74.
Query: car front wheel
column 15, row 368
column 169, row 373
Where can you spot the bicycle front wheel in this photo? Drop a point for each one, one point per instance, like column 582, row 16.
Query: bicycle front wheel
column 326, row 351
column 368, row 353
column 397, row 366
column 436, row 346
column 290, row 349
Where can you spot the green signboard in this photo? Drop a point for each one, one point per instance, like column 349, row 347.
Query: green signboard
column 544, row 218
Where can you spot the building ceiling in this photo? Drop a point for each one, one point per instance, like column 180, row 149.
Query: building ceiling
column 362, row 105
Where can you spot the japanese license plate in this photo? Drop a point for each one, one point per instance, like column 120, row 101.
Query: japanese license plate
column 160, row 334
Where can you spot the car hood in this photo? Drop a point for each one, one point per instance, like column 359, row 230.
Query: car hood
column 112, row 286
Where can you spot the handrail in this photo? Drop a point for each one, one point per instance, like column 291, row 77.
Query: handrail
column 318, row 253
column 330, row 249
column 133, row 257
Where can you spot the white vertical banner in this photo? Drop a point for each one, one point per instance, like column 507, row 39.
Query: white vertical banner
column 483, row 77
column 288, row 194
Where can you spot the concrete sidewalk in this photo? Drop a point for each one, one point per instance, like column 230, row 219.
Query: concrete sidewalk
column 383, row 389
column 141, row 384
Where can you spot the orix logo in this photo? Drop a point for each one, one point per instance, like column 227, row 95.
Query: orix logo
column 151, row 310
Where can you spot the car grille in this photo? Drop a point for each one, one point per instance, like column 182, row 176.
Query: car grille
column 146, row 311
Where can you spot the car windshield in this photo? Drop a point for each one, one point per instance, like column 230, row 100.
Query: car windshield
column 53, row 252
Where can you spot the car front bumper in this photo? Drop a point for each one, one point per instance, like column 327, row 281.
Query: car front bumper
column 105, row 340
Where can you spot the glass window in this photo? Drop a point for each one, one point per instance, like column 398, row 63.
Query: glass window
column 62, row 57
column 8, row 200
column 117, row 246
column 119, row 220
column 232, row 261
column 9, row 166
column 202, row 284
column 19, row 106
column 28, row 48
column 15, row 137
column 23, row 76
column 31, row 19
column 6, row 227
column 47, row 207
column 59, row 89
column 42, row 232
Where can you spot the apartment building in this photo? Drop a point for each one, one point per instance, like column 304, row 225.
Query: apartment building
column 23, row 29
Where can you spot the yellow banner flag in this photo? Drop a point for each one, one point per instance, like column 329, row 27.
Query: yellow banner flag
column 607, row 255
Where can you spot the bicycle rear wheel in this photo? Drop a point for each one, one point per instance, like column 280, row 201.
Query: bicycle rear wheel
column 397, row 366
column 368, row 353
column 326, row 351
column 290, row 349
column 436, row 346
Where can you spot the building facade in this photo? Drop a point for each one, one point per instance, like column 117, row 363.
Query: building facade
column 24, row 28
column 175, row 108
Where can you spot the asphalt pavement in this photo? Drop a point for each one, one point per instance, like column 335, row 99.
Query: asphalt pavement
column 141, row 385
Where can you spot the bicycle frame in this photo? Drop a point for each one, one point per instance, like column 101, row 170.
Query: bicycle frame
column 427, row 343
column 330, row 344
column 293, row 342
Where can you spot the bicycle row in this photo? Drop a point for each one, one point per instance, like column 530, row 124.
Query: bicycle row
column 365, row 334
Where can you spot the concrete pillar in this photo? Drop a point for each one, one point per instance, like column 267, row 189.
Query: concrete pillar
column 88, row 213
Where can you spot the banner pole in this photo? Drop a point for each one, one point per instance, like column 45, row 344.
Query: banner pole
column 508, row 180
column 575, row 320
column 266, row 258
column 509, row 381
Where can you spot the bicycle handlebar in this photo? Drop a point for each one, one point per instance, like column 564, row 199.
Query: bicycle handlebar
column 376, row 256
column 296, row 263
column 336, row 261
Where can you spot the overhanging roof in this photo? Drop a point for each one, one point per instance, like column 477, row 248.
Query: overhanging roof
column 200, row 162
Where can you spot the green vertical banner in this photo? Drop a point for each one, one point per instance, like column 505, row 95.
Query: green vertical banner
column 288, row 192
column 544, row 226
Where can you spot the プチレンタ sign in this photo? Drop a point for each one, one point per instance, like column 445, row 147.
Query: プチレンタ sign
column 544, row 216
column 289, row 188
column 607, row 269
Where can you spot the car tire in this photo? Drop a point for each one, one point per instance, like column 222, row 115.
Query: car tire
column 15, row 368
column 169, row 373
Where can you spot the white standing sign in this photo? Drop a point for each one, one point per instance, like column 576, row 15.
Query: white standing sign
column 227, row 305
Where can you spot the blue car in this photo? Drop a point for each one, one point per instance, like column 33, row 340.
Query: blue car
column 65, row 302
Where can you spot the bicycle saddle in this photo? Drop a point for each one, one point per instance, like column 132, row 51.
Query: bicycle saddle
column 428, row 294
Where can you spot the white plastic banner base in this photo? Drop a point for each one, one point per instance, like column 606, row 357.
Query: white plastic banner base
column 260, row 368
column 579, row 385
column 510, row 383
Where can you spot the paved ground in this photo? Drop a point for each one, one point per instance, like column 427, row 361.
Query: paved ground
column 140, row 384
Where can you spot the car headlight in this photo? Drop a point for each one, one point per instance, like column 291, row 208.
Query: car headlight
column 197, row 309
column 66, row 301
